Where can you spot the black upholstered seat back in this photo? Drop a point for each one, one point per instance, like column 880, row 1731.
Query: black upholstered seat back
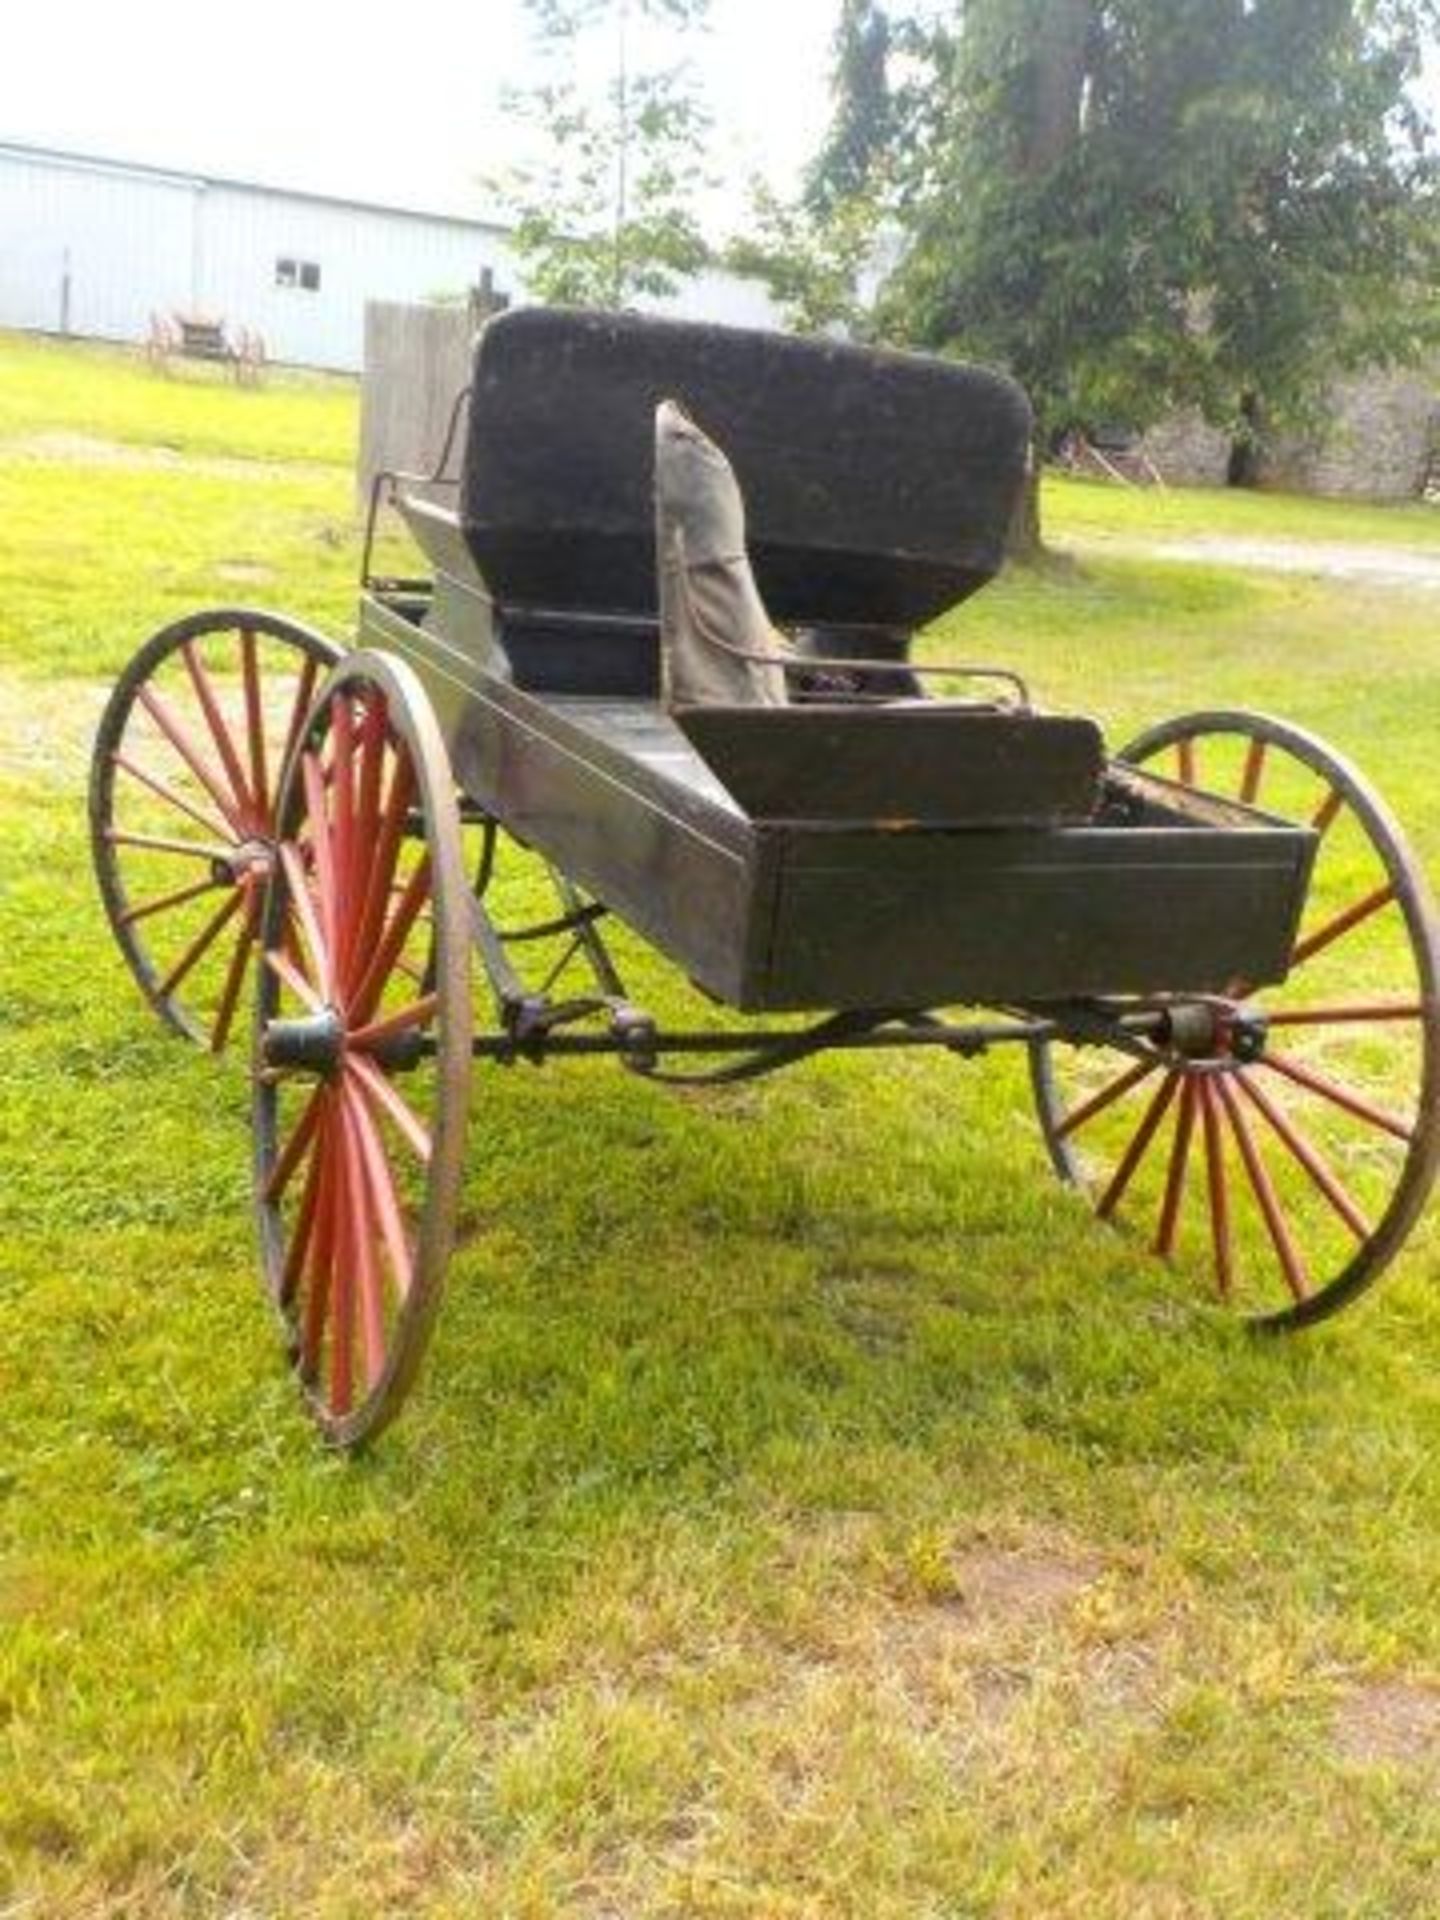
column 878, row 486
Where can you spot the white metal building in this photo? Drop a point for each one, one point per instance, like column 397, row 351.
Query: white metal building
column 94, row 247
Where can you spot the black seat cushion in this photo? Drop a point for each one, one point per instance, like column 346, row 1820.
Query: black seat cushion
column 879, row 486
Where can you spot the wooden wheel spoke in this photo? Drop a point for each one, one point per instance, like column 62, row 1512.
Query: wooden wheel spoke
column 323, row 850
column 234, row 979
column 1185, row 758
column 1342, row 1015
column 382, row 865
column 342, row 735
column 219, row 731
column 1179, row 1159
column 1342, row 923
column 1342, row 1097
column 201, row 944
column 255, row 727
column 1106, row 1097
column 317, row 1268
column 1139, row 1144
column 1254, row 770
column 1325, row 814
column 389, row 1214
column 180, row 739
column 418, row 1014
column 407, row 1122
column 346, row 1203
column 300, row 707
column 165, row 901
column 323, row 1248
column 309, row 926
column 299, row 1247
column 372, row 780
column 284, row 969
column 1217, row 1187
column 164, row 791
column 362, row 1232
column 1286, row 1251
column 159, row 843
column 1306, row 1156
column 373, row 845
column 290, row 1154
column 388, row 948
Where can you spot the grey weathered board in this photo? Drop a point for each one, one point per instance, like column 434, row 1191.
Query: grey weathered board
column 417, row 360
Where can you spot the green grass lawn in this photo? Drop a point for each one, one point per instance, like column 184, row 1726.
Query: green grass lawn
column 807, row 1510
column 1076, row 508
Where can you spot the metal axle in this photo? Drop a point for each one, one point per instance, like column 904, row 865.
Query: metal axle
column 639, row 1041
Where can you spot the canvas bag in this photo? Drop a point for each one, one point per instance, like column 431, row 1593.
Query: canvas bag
column 707, row 592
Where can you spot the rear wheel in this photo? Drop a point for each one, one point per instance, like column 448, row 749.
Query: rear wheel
column 1284, row 1138
column 182, row 803
column 363, row 1045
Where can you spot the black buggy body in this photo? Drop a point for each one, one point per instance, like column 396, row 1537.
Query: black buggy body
column 879, row 488
column 1224, row 973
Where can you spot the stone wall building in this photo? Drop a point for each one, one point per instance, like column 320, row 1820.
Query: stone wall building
column 1186, row 451
column 1382, row 442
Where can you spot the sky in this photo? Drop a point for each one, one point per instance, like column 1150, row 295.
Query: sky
column 392, row 103
column 389, row 103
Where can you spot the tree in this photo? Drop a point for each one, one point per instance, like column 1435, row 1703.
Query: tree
column 1144, row 204
column 818, row 266
column 603, row 210
column 819, row 254
column 863, row 120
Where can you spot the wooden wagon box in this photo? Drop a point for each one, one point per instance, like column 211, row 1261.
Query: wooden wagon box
column 1165, row 888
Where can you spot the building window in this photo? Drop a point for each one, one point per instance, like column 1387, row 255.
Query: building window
column 297, row 273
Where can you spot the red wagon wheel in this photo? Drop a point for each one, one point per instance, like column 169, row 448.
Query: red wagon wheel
column 182, row 803
column 363, row 1044
column 1286, row 1137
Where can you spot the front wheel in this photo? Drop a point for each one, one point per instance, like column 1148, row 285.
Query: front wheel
column 362, row 1045
column 1284, row 1138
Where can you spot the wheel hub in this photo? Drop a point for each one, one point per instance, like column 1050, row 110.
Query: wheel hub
column 251, row 860
column 314, row 1043
column 1216, row 1031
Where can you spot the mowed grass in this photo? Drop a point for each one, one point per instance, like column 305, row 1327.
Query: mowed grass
column 51, row 388
column 808, row 1510
column 1080, row 508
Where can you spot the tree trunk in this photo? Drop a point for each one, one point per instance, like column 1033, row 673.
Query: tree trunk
column 1023, row 542
column 1059, row 64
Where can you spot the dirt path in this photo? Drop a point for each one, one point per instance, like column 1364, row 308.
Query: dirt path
column 47, row 727
column 1414, row 567
column 86, row 450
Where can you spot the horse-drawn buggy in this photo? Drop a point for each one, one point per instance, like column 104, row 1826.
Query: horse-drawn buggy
column 656, row 694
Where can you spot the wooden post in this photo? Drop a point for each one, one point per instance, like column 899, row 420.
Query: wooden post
column 417, row 359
